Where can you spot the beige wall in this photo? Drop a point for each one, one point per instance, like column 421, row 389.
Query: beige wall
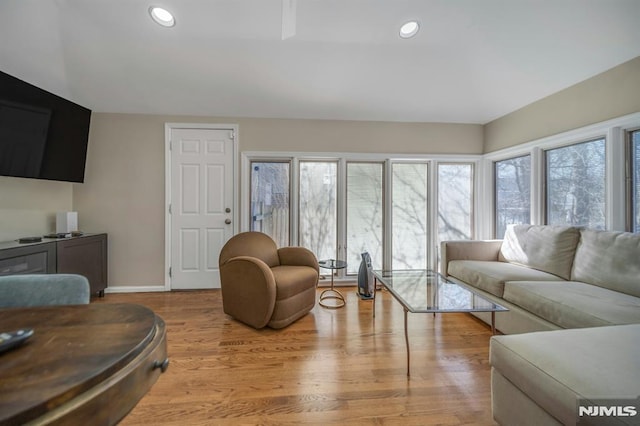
column 124, row 187
column 611, row 94
column 359, row 136
column 28, row 207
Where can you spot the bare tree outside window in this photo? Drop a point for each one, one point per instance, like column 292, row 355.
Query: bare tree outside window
column 364, row 214
column 270, row 200
column 635, row 189
column 575, row 185
column 455, row 201
column 318, row 208
column 512, row 193
column 409, row 227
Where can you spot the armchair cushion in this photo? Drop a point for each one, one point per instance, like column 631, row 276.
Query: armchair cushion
column 293, row 280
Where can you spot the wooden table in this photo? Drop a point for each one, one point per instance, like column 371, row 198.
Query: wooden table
column 86, row 364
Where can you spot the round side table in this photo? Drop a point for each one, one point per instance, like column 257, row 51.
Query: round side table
column 331, row 293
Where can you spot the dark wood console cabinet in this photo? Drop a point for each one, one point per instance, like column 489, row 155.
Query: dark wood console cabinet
column 85, row 255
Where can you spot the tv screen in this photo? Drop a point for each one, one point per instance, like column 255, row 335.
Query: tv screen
column 42, row 135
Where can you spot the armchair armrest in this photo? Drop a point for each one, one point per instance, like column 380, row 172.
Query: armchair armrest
column 468, row 250
column 298, row 256
column 248, row 290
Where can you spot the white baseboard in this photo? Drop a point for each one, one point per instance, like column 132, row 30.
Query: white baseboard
column 136, row 289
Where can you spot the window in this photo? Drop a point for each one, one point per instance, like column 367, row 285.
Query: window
column 635, row 181
column 364, row 213
column 512, row 193
column 455, row 201
column 318, row 224
column 575, row 185
column 409, row 212
column 270, row 200
column 342, row 207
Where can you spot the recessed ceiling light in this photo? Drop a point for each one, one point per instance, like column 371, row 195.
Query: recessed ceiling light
column 409, row 29
column 162, row 16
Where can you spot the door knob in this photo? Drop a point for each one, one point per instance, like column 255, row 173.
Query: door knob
column 228, row 210
column 227, row 221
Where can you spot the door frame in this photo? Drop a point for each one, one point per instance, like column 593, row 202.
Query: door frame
column 168, row 128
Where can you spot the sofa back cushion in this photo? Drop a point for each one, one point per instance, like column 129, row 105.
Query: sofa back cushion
column 546, row 248
column 609, row 259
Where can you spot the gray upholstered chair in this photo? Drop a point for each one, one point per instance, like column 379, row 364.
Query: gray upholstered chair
column 43, row 290
column 263, row 285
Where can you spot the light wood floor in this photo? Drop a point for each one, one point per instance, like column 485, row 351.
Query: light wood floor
column 331, row 367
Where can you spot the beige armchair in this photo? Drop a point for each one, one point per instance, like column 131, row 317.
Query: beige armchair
column 263, row 285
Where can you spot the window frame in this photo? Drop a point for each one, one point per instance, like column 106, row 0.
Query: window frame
column 630, row 193
column 613, row 131
column 430, row 206
column 250, row 194
column 545, row 182
column 387, row 160
column 339, row 203
column 474, row 166
column 495, row 185
column 346, row 203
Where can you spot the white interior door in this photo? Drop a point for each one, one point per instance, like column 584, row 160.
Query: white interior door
column 202, row 162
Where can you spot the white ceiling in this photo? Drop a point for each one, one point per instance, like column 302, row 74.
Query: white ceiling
column 473, row 60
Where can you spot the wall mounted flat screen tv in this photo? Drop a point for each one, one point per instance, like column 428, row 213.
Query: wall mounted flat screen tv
column 42, row 135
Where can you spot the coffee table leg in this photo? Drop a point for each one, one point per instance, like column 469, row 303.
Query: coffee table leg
column 375, row 285
column 406, row 339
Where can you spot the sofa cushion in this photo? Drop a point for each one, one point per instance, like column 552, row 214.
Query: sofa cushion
column 490, row 276
column 610, row 260
column 571, row 304
column 546, row 248
column 554, row 368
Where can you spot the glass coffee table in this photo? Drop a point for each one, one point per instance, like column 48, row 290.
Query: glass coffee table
column 426, row 291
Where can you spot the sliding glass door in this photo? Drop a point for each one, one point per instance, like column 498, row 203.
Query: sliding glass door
column 396, row 210
column 365, row 208
column 455, row 201
column 270, row 187
column 318, row 208
column 409, row 215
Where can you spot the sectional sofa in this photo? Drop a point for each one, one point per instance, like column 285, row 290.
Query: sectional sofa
column 582, row 283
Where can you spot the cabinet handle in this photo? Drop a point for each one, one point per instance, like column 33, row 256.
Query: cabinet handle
column 162, row 365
